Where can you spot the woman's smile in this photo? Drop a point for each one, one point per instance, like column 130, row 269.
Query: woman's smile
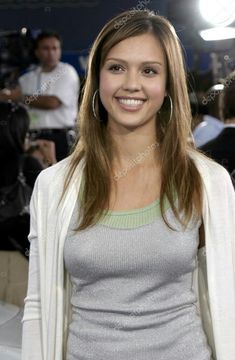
column 130, row 104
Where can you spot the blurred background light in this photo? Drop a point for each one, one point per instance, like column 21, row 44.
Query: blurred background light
column 218, row 87
column 218, row 12
column 218, row 33
column 23, row 30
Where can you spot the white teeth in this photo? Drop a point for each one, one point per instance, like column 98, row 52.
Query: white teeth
column 131, row 102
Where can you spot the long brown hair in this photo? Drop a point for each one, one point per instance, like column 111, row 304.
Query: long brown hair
column 179, row 173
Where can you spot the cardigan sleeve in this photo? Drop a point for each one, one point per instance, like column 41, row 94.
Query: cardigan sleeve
column 31, row 333
column 220, row 258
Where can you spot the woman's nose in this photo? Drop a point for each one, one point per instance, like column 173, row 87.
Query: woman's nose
column 131, row 82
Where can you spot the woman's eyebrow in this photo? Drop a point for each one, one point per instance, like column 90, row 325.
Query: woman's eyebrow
column 143, row 63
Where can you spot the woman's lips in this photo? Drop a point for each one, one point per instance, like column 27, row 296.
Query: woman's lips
column 130, row 104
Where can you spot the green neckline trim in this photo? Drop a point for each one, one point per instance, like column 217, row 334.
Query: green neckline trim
column 127, row 219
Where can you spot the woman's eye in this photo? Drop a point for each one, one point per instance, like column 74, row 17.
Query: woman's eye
column 150, row 71
column 115, row 68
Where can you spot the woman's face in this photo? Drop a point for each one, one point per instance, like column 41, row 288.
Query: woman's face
column 133, row 81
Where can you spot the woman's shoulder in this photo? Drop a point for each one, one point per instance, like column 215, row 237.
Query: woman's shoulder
column 208, row 167
column 55, row 175
column 216, row 180
column 53, row 172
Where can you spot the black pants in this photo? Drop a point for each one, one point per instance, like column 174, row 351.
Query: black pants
column 63, row 139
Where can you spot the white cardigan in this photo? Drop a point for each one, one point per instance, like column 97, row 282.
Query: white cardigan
column 47, row 311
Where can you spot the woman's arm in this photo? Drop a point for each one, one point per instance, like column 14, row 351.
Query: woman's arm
column 31, row 337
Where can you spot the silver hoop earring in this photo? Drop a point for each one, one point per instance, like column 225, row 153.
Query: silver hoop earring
column 171, row 107
column 93, row 103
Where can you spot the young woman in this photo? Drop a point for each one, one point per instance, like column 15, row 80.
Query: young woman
column 132, row 235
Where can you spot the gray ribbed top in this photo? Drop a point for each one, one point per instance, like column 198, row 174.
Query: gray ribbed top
column 132, row 289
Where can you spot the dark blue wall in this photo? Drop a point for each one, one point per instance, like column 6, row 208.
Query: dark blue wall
column 79, row 21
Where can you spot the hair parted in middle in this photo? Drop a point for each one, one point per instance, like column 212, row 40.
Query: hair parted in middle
column 179, row 173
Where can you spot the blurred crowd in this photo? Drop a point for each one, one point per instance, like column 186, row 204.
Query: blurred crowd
column 37, row 129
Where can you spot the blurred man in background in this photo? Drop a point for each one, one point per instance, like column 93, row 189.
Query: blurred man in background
column 50, row 92
column 222, row 148
column 210, row 125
